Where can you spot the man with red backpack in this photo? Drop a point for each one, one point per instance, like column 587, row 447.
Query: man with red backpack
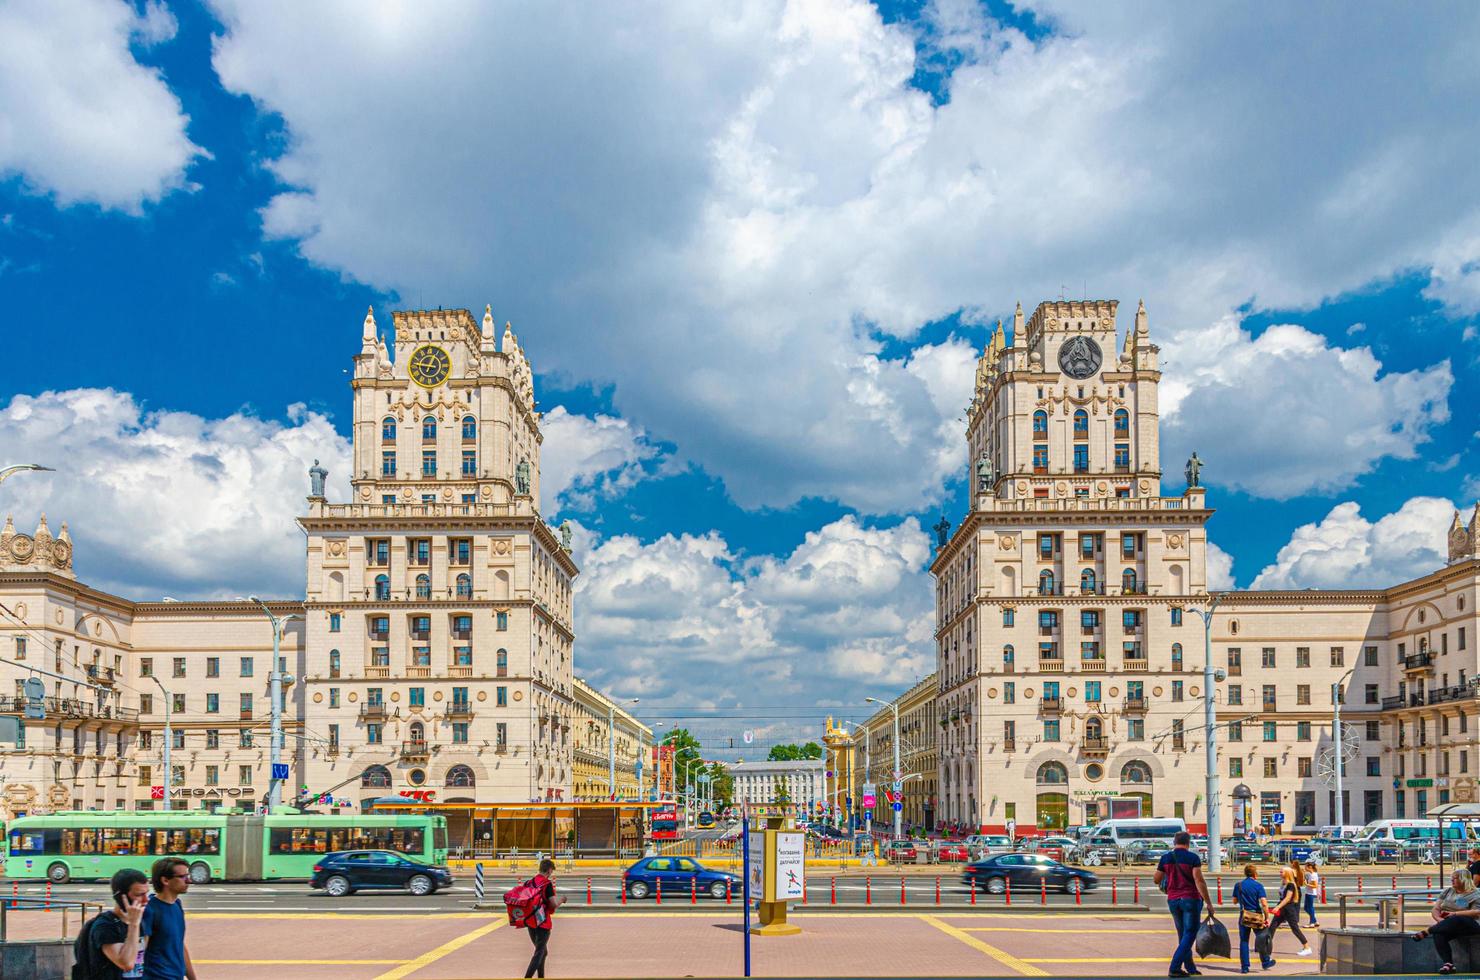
column 532, row 906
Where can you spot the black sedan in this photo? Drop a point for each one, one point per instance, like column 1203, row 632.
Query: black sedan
column 345, row 872
column 1029, row 872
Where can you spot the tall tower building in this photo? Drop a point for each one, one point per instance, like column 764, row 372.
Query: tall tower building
column 1062, row 652
column 438, row 635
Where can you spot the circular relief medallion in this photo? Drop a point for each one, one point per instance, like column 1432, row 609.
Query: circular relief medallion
column 518, row 695
column 318, row 697
column 336, row 548
column 353, row 697
column 1145, row 486
column 405, row 493
column 1023, row 487
column 501, row 546
column 991, row 692
column 1156, row 691
column 395, row 695
column 1028, row 692
column 1072, row 692
column 482, row 695
column 1174, row 540
column 1062, row 487
column 61, row 553
column 1006, row 542
column 1080, row 357
column 22, row 547
column 1192, row 691
column 1102, row 486
column 364, row 493
column 437, row 696
column 430, row 365
column 446, row 493
column 487, row 490
column 1115, row 692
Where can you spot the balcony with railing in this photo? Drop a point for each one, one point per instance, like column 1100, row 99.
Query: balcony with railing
column 1135, row 702
column 1051, row 702
column 1051, row 665
column 103, row 675
column 1136, row 665
column 460, row 709
column 377, row 672
column 416, row 750
column 1396, row 701
column 70, row 708
column 459, row 670
column 419, row 672
column 1093, row 665
column 376, row 711
column 1419, row 661
column 1095, row 745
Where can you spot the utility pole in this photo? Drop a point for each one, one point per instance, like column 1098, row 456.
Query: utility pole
column 611, row 745
column 275, row 785
column 169, row 738
column 1210, row 741
column 897, row 777
column 1338, row 752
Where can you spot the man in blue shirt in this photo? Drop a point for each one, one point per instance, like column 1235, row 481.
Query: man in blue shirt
column 166, row 958
column 1253, row 914
column 1179, row 874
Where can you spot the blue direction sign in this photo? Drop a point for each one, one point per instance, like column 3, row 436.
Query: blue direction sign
column 279, row 770
column 898, row 806
column 1278, row 819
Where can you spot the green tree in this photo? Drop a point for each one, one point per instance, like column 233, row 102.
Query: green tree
column 791, row 752
column 688, row 757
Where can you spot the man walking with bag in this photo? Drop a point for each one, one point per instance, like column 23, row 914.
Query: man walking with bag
column 1179, row 874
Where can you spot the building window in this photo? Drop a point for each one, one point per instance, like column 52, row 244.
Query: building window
column 460, row 551
column 1235, row 694
column 1272, row 768
column 1176, row 656
column 1081, row 457
column 1369, row 656
column 333, row 697
column 334, row 622
column 469, row 428
column 429, row 428
column 423, row 586
column 1176, row 615
column 1092, row 692
column 388, row 462
column 244, row 738
column 1302, row 731
column 1051, row 730
column 213, row 704
column 244, row 775
column 1338, row 657
column 501, row 738
column 179, row 667
column 1302, row 693
column 333, row 663
column 1235, row 731
column 373, row 733
column 1009, row 693
column 146, row 666
column 382, row 587
column 1302, row 656
column 1271, row 731
column 1128, row 582
column 501, row 662
column 469, row 463
column 428, row 462
column 501, row 697
column 1235, row 662
column 388, row 429
column 460, row 733
column 1135, row 730
column 146, row 704
column 1122, row 457
column 1040, row 424
column 1040, row 459
column 1269, row 697
column 1235, row 768
column 1008, row 617
column 246, row 705
column 1374, row 731
column 1122, row 422
column 1374, row 765
column 1081, row 424
column 1370, row 694
column 177, row 703
column 1176, row 690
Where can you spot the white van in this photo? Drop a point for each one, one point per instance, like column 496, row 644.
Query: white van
column 1398, row 831
column 1117, row 832
column 1339, row 831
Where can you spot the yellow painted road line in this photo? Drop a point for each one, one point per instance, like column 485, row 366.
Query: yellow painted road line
column 1001, row 956
column 432, row 956
column 339, row 915
column 1121, row 959
column 1076, row 931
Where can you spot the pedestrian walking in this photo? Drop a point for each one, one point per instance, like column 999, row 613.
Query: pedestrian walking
column 1312, row 892
column 1287, row 911
column 539, row 930
column 166, row 956
column 1455, row 914
column 1179, row 874
column 1253, row 915
column 1474, row 865
column 111, row 945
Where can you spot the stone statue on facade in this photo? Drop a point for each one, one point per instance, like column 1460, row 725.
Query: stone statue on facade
column 1194, row 471
column 317, row 475
column 942, row 530
column 521, row 478
column 984, row 473
column 565, row 532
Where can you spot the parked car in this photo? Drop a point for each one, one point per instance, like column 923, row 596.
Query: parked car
column 678, row 876
column 1245, row 851
column 341, row 873
column 1058, row 848
column 984, row 845
column 952, row 850
column 899, row 851
column 1027, row 871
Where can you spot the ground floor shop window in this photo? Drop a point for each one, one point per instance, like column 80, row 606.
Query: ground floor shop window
column 1053, row 811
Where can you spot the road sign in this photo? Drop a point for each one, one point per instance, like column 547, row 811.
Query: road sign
column 1278, row 819
column 279, row 770
column 898, row 806
column 898, row 786
column 35, row 691
column 749, row 736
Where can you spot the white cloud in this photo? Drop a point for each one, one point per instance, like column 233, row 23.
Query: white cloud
column 80, row 118
column 719, row 213
column 1286, row 413
column 1344, row 550
column 169, row 502
column 583, row 459
column 1219, row 569
column 849, row 611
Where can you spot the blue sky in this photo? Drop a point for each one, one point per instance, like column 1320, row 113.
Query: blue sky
column 752, row 257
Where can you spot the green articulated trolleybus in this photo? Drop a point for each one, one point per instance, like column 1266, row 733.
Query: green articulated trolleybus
column 217, row 846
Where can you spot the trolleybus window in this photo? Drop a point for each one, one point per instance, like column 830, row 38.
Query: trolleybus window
column 322, row 840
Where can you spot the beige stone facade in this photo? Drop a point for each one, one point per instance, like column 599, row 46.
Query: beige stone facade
column 597, row 717
column 432, row 652
column 1069, row 658
column 918, row 754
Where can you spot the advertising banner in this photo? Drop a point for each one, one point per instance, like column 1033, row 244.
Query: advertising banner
column 791, row 865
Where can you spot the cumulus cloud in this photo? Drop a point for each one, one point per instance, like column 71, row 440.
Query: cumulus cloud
column 1344, row 550
column 1286, row 413
column 848, row 610
column 170, row 502
column 585, row 459
column 1219, row 569
column 80, row 118
column 775, row 197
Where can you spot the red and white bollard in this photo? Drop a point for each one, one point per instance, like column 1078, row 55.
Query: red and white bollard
column 1136, row 897
column 901, row 890
column 1043, row 889
column 973, row 890
column 693, row 891
column 659, row 884
column 1007, row 893
column 868, row 890
column 624, row 888
column 48, row 894
column 588, row 889
column 835, row 890
column 937, row 889
column 727, row 892
column 1220, row 889
column 1114, row 899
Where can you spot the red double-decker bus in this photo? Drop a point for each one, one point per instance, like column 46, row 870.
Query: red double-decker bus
column 664, row 821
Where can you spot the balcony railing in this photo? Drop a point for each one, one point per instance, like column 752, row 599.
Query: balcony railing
column 1095, row 744
column 1052, row 703
column 1009, row 745
column 1135, row 702
column 1095, row 665
column 462, row 634
column 1137, row 665
column 1054, row 666
column 422, row 671
column 460, row 670
column 70, row 708
column 378, row 671
column 460, row 709
column 416, row 750
column 1419, row 661
column 1396, row 701
column 374, row 711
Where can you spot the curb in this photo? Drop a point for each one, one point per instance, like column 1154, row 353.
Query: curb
column 709, row 908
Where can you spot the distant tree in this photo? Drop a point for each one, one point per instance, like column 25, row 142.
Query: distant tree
column 687, row 757
column 791, row 752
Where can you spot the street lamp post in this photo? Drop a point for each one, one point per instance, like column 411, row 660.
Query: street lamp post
column 169, row 737
column 611, row 746
column 275, row 785
column 898, row 781
column 1338, row 756
column 1210, row 741
column 22, row 468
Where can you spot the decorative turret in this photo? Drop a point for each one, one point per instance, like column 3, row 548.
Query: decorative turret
column 1464, row 542
column 38, row 552
column 489, row 326
column 43, row 533
column 8, row 531
column 370, row 335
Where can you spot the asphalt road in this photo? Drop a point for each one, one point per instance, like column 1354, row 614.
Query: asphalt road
column 879, row 890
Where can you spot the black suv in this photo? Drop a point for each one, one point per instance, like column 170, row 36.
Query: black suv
column 345, row 872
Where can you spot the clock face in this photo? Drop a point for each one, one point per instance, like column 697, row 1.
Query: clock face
column 1080, row 357
column 429, row 366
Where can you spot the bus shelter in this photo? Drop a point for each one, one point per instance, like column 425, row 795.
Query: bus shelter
column 1464, row 814
column 496, row 830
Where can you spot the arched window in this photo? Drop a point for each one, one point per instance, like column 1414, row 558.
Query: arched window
column 460, row 776
column 1094, row 729
column 417, row 732
column 1136, row 772
column 1008, row 654
column 376, row 776
column 1053, row 772
column 382, row 587
column 1081, row 424
column 465, row 586
column 333, row 663
column 1128, row 581
column 423, row 586
column 388, row 429
column 1122, row 422
column 469, row 432
column 501, row 662
column 1045, row 583
column 1087, row 581
column 1040, row 423
column 429, row 427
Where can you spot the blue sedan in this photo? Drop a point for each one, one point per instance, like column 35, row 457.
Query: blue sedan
column 680, row 877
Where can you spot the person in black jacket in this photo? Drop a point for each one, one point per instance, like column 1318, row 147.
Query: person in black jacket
column 1287, row 911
